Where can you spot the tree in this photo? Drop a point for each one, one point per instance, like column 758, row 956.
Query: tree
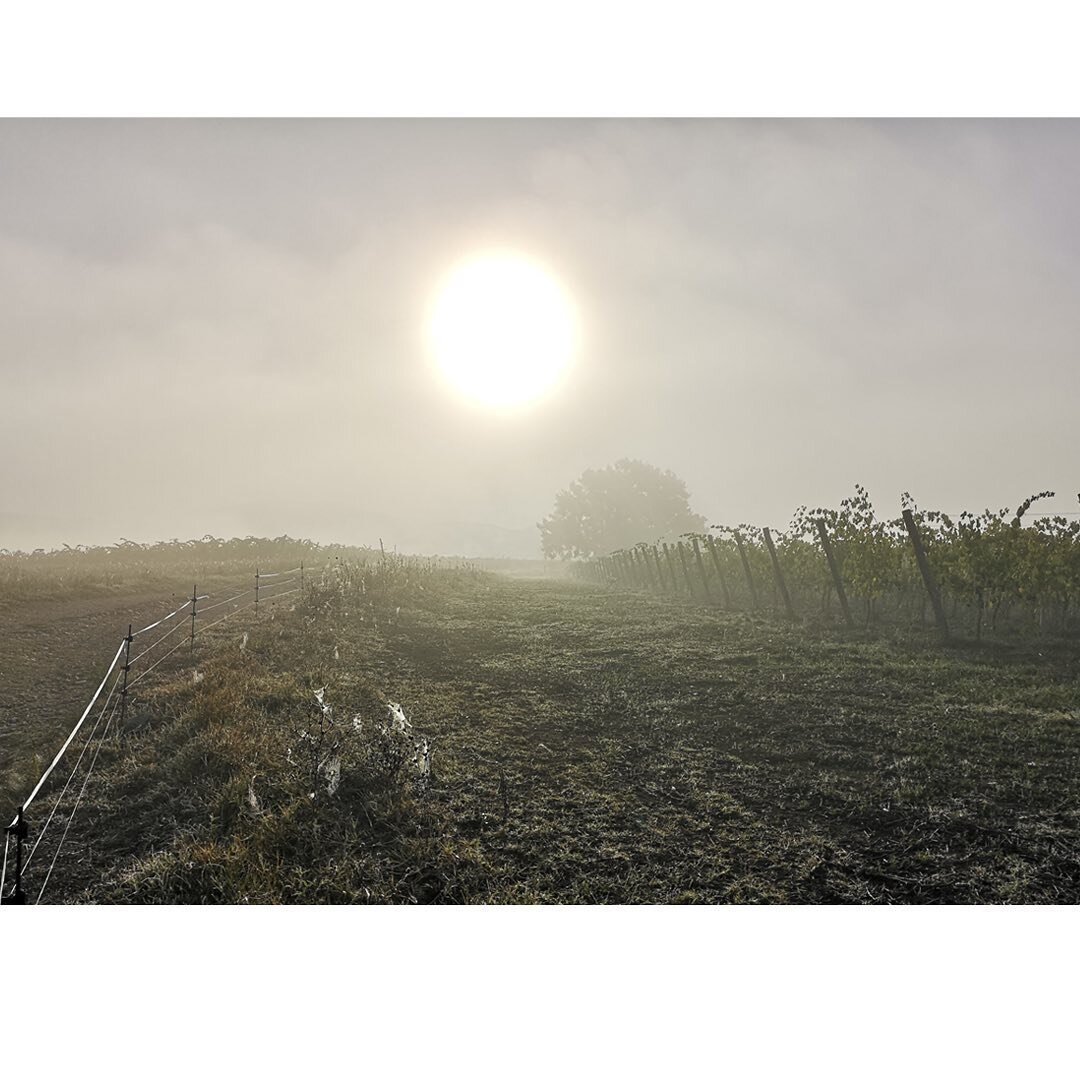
column 616, row 507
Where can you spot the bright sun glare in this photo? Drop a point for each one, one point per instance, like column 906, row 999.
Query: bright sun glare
column 502, row 329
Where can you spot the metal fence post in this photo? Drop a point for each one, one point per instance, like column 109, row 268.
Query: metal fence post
column 18, row 828
column 126, row 668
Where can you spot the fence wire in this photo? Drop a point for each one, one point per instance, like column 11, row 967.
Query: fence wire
column 78, row 801
column 278, row 596
column 264, row 589
column 222, row 603
column 288, row 577
column 74, row 732
column 227, row 615
column 149, row 648
column 164, row 618
column 142, row 675
column 67, row 784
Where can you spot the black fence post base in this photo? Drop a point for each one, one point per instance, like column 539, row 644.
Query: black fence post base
column 19, row 829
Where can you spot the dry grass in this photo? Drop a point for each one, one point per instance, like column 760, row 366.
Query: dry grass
column 588, row 747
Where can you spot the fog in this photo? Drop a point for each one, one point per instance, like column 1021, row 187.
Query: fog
column 218, row 327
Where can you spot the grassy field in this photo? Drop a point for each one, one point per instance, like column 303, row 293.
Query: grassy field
column 586, row 746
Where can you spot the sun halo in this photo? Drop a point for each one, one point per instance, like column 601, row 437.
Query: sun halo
column 502, row 330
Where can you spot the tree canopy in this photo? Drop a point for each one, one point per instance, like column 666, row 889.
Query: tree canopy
column 616, row 507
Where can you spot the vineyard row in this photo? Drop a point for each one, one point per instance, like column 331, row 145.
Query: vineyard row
column 977, row 573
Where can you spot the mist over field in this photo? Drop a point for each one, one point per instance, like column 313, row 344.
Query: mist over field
column 218, row 327
column 310, row 399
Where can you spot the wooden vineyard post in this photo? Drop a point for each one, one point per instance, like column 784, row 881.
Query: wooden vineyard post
column 257, row 590
column 719, row 571
column 927, row 574
column 654, row 585
column 648, row 568
column 654, row 564
column 701, row 569
column 660, row 563
column 778, row 573
column 655, row 579
column 659, row 569
column 671, row 569
column 642, row 569
column 681, row 548
column 835, row 571
column 746, row 570
column 194, row 600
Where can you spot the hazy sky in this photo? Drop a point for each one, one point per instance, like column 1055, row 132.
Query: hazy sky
column 219, row 326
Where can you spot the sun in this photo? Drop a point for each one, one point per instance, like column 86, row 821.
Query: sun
column 502, row 329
